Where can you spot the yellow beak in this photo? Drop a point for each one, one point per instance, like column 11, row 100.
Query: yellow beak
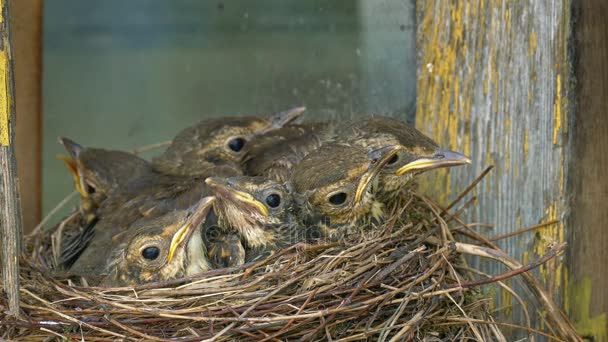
column 78, row 181
column 378, row 159
column 223, row 188
column 440, row 159
column 195, row 217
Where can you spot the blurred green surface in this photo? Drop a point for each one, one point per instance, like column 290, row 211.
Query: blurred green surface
column 122, row 74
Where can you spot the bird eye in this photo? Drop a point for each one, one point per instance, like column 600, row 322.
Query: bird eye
column 338, row 198
column 393, row 160
column 273, row 200
column 236, row 144
column 90, row 189
column 150, row 253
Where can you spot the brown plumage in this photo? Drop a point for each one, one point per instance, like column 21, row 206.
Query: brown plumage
column 274, row 154
column 334, row 185
column 143, row 198
column 259, row 210
column 98, row 172
column 418, row 152
column 160, row 249
column 217, row 141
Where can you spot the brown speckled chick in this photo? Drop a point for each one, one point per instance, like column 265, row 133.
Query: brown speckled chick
column 274, row 154
column 98, row 172
column 217, row 141
column 334, row 183
column 418, row 152
column 160, row 249
column 258, row 210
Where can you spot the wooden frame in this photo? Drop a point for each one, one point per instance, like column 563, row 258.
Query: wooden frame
column 10, row 206
column 522, row 86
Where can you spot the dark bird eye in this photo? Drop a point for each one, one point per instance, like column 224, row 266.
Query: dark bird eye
column 150, row 253
column 393, row 160
column 273, row 200
column 90, row 189
column 338, row 198
column 236, row 144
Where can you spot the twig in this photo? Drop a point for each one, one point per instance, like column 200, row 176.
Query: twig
column 521, row 231
column 52, row 213
column 146, row 148
column 468, row 189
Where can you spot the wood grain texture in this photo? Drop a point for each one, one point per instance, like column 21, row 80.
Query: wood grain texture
column 588, row 257
column 10, row 208
column 493, row 82
column 26, row 30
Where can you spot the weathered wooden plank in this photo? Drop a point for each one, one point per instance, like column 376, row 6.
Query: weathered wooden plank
column 10, row 209
column 588, row 257
column 26, row 31
column 493, row 82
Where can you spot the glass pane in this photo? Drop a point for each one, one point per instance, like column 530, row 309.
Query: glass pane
column 122, row 74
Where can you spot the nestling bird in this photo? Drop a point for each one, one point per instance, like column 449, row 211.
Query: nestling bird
column 164, row 248
column 334, row 184
column 97, row 172
column 274, row 154
column 217, row 141
column 418, row 152
column 259, row 210
column 143, row 198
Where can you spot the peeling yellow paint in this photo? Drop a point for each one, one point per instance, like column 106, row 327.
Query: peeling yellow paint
column 532, row 44
column 518, row 221
column 552, row 271
column 506, row 299
column 526, row 144
column 5, row 134
column 580, row 297
column 557, row 109
column 526, row 258
column 450, row 110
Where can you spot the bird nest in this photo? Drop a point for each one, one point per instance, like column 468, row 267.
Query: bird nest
column 404, row 280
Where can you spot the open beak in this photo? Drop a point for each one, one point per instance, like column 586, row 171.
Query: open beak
column 281, row 119
column 70, row 164
column 378, row 159
column 441, row 158
column 74, row 150
column 223, row 189
column 195, row 218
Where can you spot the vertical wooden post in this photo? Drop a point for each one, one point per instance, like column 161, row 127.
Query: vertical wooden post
column 494, row 83
column 10, row 207
column 26, row 37
column 588, row 254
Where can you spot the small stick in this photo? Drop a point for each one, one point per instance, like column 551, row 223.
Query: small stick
column 468, row 189
column 563, row 325
column 521, row 231
column 140, row 150
column 52, row 213
column 553, row 252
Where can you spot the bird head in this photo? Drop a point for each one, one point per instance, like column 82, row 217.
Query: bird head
column 218, row 141
column 335, row 183
column 418, row 152
column 160, row 249
column 97, row 172
column 252, row 206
